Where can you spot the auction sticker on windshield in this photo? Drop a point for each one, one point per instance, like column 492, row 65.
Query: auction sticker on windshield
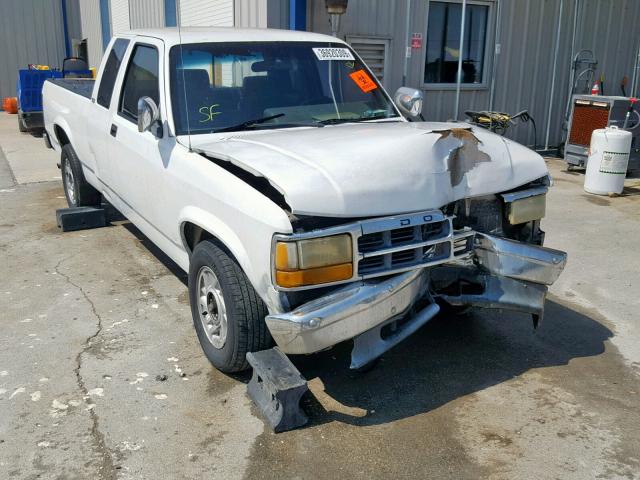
column 363, row 80
column 333, row 54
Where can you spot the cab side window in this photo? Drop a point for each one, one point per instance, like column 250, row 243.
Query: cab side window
column 141, row 80
column 108, row 79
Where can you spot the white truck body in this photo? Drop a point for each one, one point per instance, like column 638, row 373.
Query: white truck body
column 347, row 175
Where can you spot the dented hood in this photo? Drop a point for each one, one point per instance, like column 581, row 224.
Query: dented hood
column 383, row 168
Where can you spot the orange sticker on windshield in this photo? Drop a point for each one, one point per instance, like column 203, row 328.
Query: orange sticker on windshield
column 363, row 80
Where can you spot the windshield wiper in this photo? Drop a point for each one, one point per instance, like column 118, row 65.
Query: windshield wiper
column 335, row 121
column 249, row 123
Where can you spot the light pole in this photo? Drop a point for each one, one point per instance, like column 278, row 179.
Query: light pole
column 460, row 51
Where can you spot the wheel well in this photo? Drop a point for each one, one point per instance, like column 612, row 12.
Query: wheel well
column 194, row 234
column 61, row 135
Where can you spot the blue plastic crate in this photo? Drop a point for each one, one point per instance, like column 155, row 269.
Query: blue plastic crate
column 29, row 88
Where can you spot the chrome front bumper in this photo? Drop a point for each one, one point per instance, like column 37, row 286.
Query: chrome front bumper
column 346, row 313
column 514, row 275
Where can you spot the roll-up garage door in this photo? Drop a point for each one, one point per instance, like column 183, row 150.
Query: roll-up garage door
column 206, row 13
column 119, row 16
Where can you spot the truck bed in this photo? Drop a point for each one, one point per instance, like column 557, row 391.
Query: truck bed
column 81, row 86
column 67, row 104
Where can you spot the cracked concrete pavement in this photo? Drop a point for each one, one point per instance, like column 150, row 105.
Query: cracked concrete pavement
column 101, row 375
column 105, row 462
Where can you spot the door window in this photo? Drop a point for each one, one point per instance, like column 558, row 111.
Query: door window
column 108, row 79
column 141, row 80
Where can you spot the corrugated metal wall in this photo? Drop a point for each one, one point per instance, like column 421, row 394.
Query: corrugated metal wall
column 524, row 69
column 523, row 72
column 146, row 13
column 30, row 32
column 374, row 19
column 92, row 29
column 74, row 22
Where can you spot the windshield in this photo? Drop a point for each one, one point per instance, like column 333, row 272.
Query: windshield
column 235, row 86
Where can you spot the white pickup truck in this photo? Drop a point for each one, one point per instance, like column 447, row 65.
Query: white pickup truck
column 307, row 205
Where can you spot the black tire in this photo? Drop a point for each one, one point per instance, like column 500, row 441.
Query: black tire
column 21, row 125
column 78, row 191
column 246, row 330
column 447, row 309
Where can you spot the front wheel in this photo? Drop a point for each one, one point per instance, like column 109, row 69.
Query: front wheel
column 78, row 191
column 228, row 314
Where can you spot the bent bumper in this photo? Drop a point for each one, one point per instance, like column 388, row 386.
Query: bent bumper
column 346, row 313
column 513, row 276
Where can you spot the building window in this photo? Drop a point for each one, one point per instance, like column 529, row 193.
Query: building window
column 443, row 42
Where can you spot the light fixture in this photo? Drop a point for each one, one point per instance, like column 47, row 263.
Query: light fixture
column 335, row 9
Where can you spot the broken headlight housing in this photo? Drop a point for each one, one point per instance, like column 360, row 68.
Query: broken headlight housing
column 525, row 205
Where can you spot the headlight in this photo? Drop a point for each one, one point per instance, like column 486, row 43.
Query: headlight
column 313, row 261
column 526, row 208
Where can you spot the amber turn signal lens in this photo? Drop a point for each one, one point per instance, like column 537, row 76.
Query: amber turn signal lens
column 286, row 256
column 314, row 276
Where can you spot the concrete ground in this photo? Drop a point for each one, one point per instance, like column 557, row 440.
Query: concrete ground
column 91, row 322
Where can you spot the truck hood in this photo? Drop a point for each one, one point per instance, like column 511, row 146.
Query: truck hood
column 382, row 168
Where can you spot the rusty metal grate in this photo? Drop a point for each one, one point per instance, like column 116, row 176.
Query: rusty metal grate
column 586, row 119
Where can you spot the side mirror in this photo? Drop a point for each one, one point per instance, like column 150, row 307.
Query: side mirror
column 409, row 101
column 148, row 113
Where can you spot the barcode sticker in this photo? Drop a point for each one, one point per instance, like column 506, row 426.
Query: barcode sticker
column 333, row 53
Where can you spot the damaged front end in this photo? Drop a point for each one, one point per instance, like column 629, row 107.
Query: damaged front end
column 405, row 267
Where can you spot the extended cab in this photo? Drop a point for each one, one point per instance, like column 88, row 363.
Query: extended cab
column 307, row 207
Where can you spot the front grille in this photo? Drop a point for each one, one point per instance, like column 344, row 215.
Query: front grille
column 395, row 244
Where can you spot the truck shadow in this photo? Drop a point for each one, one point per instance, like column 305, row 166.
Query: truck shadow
column 154, row 250
column 448, row 358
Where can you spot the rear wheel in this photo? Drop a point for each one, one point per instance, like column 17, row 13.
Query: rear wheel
column 228, row 314
column 78, row 191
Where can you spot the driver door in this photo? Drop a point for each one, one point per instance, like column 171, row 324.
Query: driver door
column 136, row 157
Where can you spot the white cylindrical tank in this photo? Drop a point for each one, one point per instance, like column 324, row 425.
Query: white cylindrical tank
column 608, row 161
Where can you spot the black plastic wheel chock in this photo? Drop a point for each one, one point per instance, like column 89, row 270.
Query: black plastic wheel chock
column 276, row 388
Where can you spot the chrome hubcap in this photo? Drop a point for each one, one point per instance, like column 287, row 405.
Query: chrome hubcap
column 211, row 307
column 69, row 183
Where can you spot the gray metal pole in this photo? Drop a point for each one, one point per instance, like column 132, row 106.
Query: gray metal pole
column 572, row 73
column 573, row 45
column 553, row 76
column 407, row 46
column 634, row 82
column 459, row 79
column 496, row 54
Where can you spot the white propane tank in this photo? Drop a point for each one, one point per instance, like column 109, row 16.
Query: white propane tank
column 608, row 161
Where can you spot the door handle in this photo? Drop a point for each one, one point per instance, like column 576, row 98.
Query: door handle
column 114, row 130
